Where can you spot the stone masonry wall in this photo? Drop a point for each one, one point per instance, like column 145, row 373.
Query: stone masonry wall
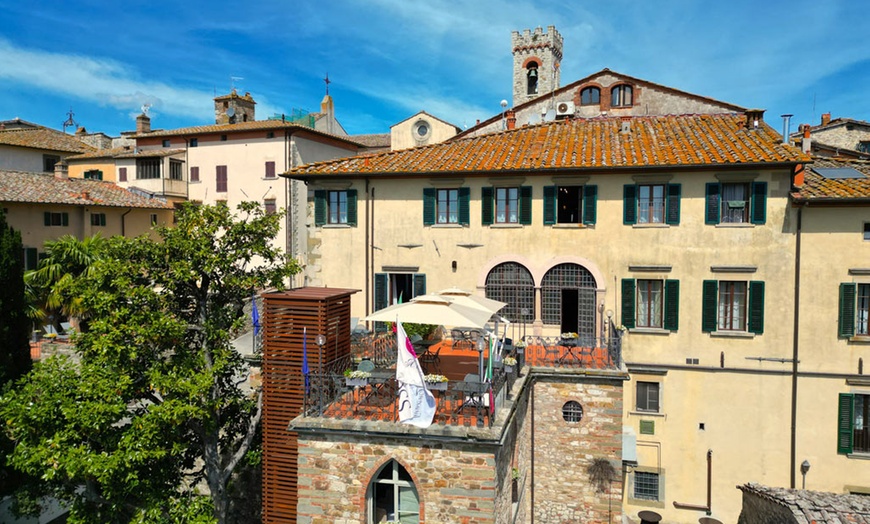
column 455, row 483
column 841, row 136
column 564, row 450
column 757, row 510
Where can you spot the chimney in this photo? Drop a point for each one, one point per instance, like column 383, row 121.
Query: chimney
column 327, row 107
column 511, row 117
column 61, row 171
column 786, row 127
column 754, row 117
column 625, row 125
column 826, row 118
column 143, row 124
column 807, row 141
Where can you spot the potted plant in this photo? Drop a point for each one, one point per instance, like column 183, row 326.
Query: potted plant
column 434, row 381
column 520, row 346
column 356, row 378
column 509, row 363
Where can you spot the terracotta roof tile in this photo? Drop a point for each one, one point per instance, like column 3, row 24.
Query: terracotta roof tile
column 43, row 138
column 815, row 506
column 40, row 188
column 125, row 152
column 595, row 143
column 254, row 125
column 818, row 188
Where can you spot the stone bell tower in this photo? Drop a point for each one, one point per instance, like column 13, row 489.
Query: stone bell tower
column 234, row 108
column 536, row 59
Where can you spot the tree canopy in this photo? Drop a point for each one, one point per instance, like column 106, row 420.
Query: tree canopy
column 154, row 408
column 14, row 329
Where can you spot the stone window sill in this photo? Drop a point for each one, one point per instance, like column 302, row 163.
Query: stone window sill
column 732, row 334
column 649, row 331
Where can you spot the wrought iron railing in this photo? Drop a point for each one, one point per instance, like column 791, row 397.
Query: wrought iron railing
column 330, row 394
column 579, row 352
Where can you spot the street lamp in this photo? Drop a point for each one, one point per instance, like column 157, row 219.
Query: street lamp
column 320, row 340
column 805, row 466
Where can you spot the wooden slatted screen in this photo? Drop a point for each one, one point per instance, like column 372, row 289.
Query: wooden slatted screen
column 323, row 311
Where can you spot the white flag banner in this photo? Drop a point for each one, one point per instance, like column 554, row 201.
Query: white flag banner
column 416, row 403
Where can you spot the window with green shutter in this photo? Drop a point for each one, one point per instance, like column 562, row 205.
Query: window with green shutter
column 854, row 310
column 729, row 305
column 736, row 202
column 651, row 303
column 651, row 204
column 709, row 309
column 319, row 207
column 486, row 205
column 755, row 315
column 526, row 205
column 570, row 204
column 56, row 219
column 335, row 207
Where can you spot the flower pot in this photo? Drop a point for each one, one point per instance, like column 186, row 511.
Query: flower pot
column 440, row 386
column 508, row 369
column 356, row 382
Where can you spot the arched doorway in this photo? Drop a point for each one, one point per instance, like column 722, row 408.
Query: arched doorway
column 511, row 282
column 568, row 299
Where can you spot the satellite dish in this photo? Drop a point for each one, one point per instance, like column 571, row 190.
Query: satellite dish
column 550, row 115
column 231, row 112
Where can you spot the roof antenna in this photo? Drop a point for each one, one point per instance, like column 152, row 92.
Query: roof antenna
column 233, row 83
column 69, row 121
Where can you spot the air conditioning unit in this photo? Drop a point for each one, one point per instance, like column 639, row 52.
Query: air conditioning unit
column 564, row 108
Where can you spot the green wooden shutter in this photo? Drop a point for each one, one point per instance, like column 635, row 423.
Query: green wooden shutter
column 429, row 195
column 47, row 217
column 486, row 205
column 845, row 415
column 759, row 202
column 64, row 219
column 709, row 306
column 846, row 316
column 629, row 204
column 756, row 307
column 550, row 200
column 382, row 290
column 319, row 207
column 672, row 305
column 351, row 207
column 712, row 202
column 590, row 200
column 526, row 205
column 628, row 302
column 419, row 280
column 464, row 206
column 672, row 205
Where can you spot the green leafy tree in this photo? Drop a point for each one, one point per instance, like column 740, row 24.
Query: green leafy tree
column 14, row 330
column 154, row 409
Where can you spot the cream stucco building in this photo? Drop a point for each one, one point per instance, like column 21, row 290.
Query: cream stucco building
column 690, row 231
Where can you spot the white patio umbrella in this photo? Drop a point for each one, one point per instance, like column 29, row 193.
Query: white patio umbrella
column 433, row 309
column 466, row 298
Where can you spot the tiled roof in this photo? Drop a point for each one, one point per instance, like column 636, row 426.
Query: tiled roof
column 254, row 125
column 584, row 144
column 43, row 138
column 378, row 140
column 815, row 506
column 125, row 152
column 433, row 117
column 818, row 188
column 39, row 188
column 837, row 122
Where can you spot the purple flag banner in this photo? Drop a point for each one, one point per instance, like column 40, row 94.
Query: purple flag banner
column 416, row 403
column 305, row 358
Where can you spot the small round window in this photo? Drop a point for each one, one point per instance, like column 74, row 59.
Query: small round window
column 572, row 411
column 421, row 129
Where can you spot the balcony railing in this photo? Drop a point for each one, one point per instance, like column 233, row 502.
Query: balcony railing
column 580, row 352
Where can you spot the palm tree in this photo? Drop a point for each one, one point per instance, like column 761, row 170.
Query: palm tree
column 66, row 259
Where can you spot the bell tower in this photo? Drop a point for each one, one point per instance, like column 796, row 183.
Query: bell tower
column 536, row 62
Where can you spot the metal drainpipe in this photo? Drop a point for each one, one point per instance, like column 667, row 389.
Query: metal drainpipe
column 795, row 348
column 369, row 223
column 124, row 222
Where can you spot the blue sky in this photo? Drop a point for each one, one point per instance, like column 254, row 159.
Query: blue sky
column 388, row 59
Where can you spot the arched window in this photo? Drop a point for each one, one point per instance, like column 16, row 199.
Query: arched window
column 568, row 295
column 532, row 78
column 590, row 96
column 621, row 96
column 512, row 283
column 392, row 496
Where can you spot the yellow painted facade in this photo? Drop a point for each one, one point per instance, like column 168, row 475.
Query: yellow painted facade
column 726, row 391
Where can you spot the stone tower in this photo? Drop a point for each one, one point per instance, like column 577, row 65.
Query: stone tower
column 536, row 62
column 234, row 108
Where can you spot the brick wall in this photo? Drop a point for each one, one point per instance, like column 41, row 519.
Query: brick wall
column 564, row 450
